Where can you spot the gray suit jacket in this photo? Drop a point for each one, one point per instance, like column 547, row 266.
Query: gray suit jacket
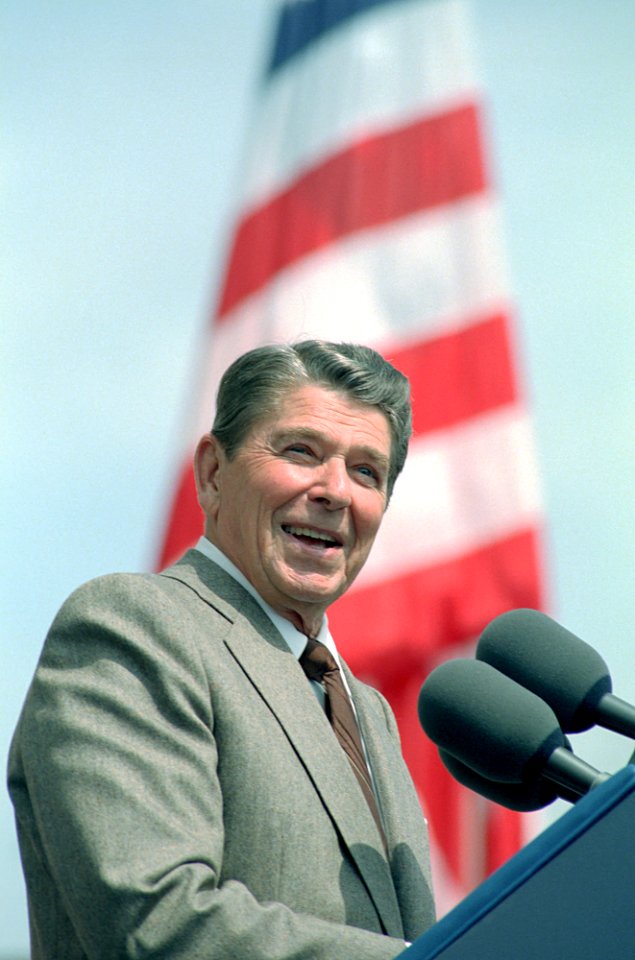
column 179, row 792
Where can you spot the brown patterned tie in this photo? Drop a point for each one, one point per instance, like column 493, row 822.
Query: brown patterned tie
column 318, row 664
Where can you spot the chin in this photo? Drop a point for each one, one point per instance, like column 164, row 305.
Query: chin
column 324, row 594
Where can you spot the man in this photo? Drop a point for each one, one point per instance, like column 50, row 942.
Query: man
column 179, row 790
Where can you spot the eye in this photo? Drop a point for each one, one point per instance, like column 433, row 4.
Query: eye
column 369, row 474
column 299, row 450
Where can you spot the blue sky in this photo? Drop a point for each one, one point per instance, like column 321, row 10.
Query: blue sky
column 123, row 128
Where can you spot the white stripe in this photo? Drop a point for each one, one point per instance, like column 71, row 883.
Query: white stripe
column 419, row 277
column 374, row 72
column 460, row 489
column 403, row 278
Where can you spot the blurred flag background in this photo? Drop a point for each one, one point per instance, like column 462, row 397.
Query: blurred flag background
column 367, row 213
column 150, row 148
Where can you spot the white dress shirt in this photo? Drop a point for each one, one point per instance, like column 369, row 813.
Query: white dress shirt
column 295, row 639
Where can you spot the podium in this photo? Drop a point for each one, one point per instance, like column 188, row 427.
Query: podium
column 568, row 895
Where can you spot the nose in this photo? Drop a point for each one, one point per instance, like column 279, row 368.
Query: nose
column 332, row 485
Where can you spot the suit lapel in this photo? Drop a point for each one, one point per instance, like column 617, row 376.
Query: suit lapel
column 375, row 734
column 282, row 684
column 401, row 811
column 273, row 670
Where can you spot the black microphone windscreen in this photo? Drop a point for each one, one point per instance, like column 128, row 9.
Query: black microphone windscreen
column 546, row 658
column 516, row 796
column 488, row 721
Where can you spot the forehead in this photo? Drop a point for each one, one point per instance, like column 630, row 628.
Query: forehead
column 313, row 409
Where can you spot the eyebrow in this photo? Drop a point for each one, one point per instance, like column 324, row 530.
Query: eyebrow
column 308, row 433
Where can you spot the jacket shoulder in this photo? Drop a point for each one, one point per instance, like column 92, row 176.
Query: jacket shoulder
column 154, row 596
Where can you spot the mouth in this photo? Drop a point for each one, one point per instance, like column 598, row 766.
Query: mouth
column 312, row 536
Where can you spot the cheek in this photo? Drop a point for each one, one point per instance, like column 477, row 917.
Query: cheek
column 260, row 505
column 279, row 485
column 369, row 521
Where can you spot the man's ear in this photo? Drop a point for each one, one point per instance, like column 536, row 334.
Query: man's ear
column 207, row 461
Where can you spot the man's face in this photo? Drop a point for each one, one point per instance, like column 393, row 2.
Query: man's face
column 298, row 508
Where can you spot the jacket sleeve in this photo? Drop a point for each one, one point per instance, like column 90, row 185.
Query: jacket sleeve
column 119, row 765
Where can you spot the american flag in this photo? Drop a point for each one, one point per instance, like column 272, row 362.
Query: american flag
column 367, row 213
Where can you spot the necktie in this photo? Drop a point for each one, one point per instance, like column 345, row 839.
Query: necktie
column 318, row 664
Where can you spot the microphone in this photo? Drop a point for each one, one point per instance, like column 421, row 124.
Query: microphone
column 538, row 653
column 523, row 797
column 500, row 730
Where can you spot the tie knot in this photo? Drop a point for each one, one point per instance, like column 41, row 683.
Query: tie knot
column 316, row 661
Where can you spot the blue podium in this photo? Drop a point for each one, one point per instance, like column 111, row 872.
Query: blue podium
column 568, row 895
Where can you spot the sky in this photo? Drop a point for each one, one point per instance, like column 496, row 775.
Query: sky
column 123, row 127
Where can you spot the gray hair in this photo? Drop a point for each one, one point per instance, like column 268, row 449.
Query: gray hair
column 254, row 385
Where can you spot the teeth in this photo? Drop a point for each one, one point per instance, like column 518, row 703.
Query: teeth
column 306, row 532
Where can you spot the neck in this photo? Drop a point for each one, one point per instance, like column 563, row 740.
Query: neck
column 307, row 624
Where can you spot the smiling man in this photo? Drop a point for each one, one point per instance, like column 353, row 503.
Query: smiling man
column 298, row 506
column 196, row 773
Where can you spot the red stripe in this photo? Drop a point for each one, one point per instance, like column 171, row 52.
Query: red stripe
column 393, row 634
column 460, row 375
column 433, row 161
column 388, row 628
column 452, row 379
column 416, row 614
column 447, row 804
column 185, row 523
